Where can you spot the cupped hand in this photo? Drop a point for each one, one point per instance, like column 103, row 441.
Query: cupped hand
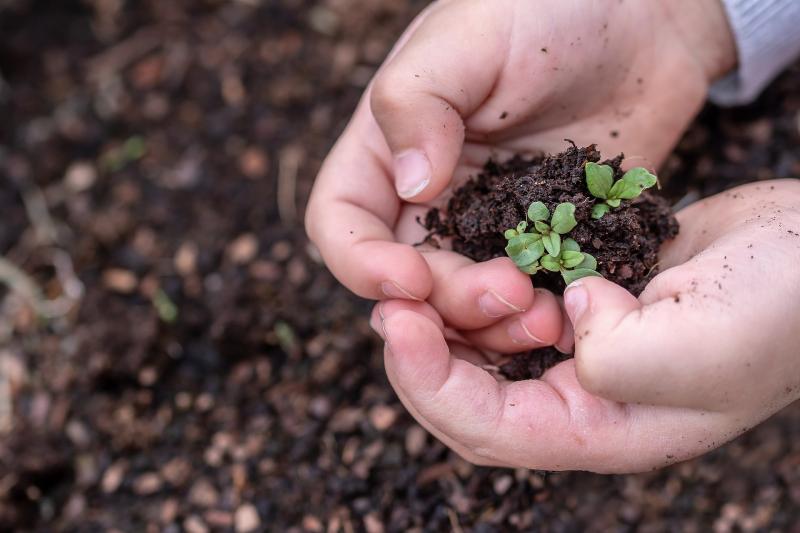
column 472, row 79
column 708, row 350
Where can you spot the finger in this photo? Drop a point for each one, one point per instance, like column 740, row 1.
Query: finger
column 670, row 351
column 472, row 295
column 539, row 326
column 566, row 342
column 387, row 308
column 420, row 96
column 549, row 424
column 349, row 216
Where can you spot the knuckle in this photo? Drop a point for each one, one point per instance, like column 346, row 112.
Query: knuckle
column 384, row 98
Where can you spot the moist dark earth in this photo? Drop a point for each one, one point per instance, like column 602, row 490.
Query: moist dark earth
column 625, row 241
column 211, row 375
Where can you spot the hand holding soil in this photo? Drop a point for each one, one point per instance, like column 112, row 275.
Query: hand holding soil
column 433, row 115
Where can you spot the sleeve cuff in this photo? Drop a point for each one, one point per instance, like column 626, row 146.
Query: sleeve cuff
column 767, row 40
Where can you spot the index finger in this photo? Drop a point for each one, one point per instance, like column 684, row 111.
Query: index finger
column 350, row 216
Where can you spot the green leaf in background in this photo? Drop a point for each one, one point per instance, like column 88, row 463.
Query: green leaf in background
column 538, row 212
column 599, row 179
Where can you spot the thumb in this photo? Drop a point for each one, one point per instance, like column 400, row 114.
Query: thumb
column 660, row 353
column 423, row 93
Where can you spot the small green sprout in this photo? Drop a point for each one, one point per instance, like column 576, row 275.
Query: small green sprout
column 529, row 247
column 543, row 249
column 600, row 180
column 571, row 262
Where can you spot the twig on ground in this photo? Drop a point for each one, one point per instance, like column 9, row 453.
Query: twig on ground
column 118, row 57
column 288, row 165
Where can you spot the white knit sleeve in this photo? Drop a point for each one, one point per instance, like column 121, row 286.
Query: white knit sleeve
column 767, row 34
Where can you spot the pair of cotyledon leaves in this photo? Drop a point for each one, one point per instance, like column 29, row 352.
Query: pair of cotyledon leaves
column 600, row 180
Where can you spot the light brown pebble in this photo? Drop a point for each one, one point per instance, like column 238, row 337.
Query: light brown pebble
column 246, row 518
column 119, row 280
column 382, row 417
column 243, row 249
column 148, row 483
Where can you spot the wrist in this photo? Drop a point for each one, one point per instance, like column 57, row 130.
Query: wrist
column 703, row 27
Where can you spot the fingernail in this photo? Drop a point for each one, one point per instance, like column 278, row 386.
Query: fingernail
column 393, row 290
column 522, row 335
column 576, row 300
column 493, row 305
column 412, row 173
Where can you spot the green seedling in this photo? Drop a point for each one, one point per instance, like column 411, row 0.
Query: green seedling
column 571, row 262
column 600, row 180
column 543, row 249
column 529, row 247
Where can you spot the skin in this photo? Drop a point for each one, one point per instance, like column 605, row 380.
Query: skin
column 470, row 79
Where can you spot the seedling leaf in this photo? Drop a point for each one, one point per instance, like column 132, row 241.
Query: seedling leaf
column 570, row 245
column 614, row 202
column 510, row 234
column 552, row 243
column 571, row 259
column 525, row 249
column 572, row 275
column 599, row 179
column 588, row 262
column 522, row 226
column 632, row 184
column 563, row 220
column 532, row 268
column 599, row 210
column 551, row 263
column 541, row 226
column 538, row 212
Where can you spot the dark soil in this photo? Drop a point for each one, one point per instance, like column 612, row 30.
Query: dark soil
column 625, row 241
column 266, row 395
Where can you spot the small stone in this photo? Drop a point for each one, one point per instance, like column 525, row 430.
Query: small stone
column 148, row 483
column 502, row 484
column 113, row 476
column 416, row 437
column 169, row 511
column 218, row 519
column 312, row 523
column 373, row 523
column 243, row 249
column 186, row 259
column 382, row 417
column 246, row 518
column 177, row 471
column 120, row 280
column 77, row 433
column 80, row 176
column 203, row 494
column 281, row 251
column 194, row 524
column 254, row 163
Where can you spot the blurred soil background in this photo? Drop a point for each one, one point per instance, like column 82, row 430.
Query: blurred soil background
column 174, row 356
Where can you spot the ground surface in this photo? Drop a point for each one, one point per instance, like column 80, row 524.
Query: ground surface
column 156, row 137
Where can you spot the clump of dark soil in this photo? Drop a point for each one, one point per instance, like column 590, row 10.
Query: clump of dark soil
column 625, row 241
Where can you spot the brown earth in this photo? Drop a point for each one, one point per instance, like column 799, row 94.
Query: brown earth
column 158, row 135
